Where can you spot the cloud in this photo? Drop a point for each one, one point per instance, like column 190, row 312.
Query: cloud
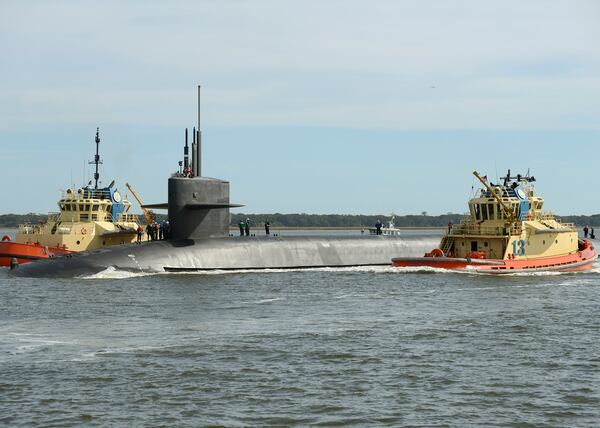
column 462, row 64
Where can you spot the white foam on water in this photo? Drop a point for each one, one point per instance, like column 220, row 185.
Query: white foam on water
column 127, row 350
column 341, row 269
column 420, row 269
column 595, row 268
column 84, row 357
column 259, row 302
column 538, row 273
column 24, row 343
column 113, row 273
column 266, row 270
column 345, row 296
column 35, row 345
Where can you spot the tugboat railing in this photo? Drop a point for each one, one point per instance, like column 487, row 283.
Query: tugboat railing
column 85, row 194
column 548, row 216
column 64, row 229
column 469, row 228
column 128, row 218
column 478, row 230
column 28, row 229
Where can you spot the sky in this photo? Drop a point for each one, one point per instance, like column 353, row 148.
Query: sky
column 340, row 107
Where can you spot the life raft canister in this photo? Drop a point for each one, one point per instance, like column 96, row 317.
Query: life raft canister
column 5, row 238
column 476, row 255
column 436, row 252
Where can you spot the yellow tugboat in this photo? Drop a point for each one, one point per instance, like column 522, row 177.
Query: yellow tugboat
column 507, row 232
column 89, row 218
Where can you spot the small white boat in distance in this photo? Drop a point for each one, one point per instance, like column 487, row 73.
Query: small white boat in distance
column 390, row 229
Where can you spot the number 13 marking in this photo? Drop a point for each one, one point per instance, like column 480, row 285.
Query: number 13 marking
column 519, row 249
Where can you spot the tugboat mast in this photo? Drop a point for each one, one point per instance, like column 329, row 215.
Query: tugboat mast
column 96, row 160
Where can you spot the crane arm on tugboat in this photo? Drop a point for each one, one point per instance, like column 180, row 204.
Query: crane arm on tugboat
column 148, row 214
column 509, row 213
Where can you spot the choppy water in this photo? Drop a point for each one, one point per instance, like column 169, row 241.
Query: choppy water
column 357, row 346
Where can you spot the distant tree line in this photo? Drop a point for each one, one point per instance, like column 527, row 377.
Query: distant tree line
column 582, row 220
column 319, row 220
column 349, row 220
column 344, row 220
column 13, row 220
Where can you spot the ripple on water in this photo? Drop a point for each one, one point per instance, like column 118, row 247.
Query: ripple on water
column 365, row 347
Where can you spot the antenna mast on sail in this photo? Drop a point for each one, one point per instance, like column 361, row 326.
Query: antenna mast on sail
column 198, row 154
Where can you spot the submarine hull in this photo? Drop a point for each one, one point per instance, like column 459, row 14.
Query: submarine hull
column 236, row 253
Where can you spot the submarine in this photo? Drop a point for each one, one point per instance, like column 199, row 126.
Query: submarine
column 199, row 216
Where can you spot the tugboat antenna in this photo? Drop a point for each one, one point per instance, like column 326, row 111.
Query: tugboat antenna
column 96, row 160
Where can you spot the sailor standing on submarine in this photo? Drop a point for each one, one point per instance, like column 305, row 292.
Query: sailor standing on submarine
column 247, row 226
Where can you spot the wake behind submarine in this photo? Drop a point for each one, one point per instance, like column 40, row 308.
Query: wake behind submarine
column 198, row 210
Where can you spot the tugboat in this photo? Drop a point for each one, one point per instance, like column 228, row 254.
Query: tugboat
column 507, row 232
column 89, row 218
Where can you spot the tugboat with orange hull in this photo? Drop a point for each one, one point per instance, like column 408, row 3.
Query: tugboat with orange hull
column 90, row 217
column 507, row 232
column 26, row 252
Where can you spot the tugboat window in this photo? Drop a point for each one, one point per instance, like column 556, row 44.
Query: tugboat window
column 484, row 212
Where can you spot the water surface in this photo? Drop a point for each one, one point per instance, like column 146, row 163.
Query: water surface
column 357, row 346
